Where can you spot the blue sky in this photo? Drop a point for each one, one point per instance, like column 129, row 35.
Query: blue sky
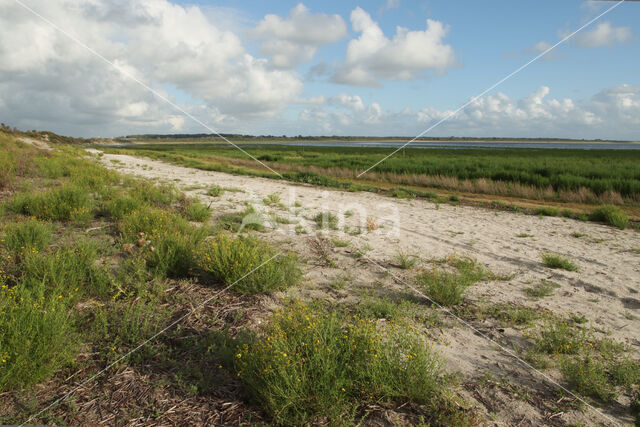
column 238, row 70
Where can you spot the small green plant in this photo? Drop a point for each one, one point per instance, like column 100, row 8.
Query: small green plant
column 198, row 212
column 326, row 220
column 215, row 191
column 341, row 243
column 28, row 235
column 578, row 319
column 611, row 215
column 589, row 377
column 543, row 289
column 524, row 235
column 560, row 336
column 578, row 235
column 405, row 261
column 271, row 199
column 447, row 287
column 512, row 315
column 250, row 265
column 558, row 261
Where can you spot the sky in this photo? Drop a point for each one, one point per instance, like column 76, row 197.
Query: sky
column 378, row 68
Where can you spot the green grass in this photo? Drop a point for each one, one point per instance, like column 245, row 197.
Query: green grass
column 309, row 365
column 447, row 286
column 326, row 220
column 229, row 260
column 611, row 215
column 543, row 289
column 572, row 175
column 558, row 262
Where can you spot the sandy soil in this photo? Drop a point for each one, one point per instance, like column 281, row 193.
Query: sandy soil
column 605, row 290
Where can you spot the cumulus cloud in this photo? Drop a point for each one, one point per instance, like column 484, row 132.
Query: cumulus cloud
column 161, row 43
column 603, row 35
column 373, row 57
column 535, row 115
column 295, row 39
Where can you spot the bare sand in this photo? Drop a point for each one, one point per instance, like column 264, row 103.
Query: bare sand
column 605, row 290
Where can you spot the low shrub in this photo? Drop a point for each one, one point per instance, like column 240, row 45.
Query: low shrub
column 151, row 222
column 66, row 273
column 173, row 253
column 28, row 235
column 36, row 338
column 611, row 215
column 560, row 336
column 588, row 376
column 308, row 366
column 254, row 266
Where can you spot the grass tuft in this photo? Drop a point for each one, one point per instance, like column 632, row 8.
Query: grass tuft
column 558, row 261
column 543, row 289
column 447, row 287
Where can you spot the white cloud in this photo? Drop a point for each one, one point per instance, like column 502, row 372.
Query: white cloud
column 603, row 35
column 614, row 111
column 295, row 39
column 373, row 57
column 160, row 43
